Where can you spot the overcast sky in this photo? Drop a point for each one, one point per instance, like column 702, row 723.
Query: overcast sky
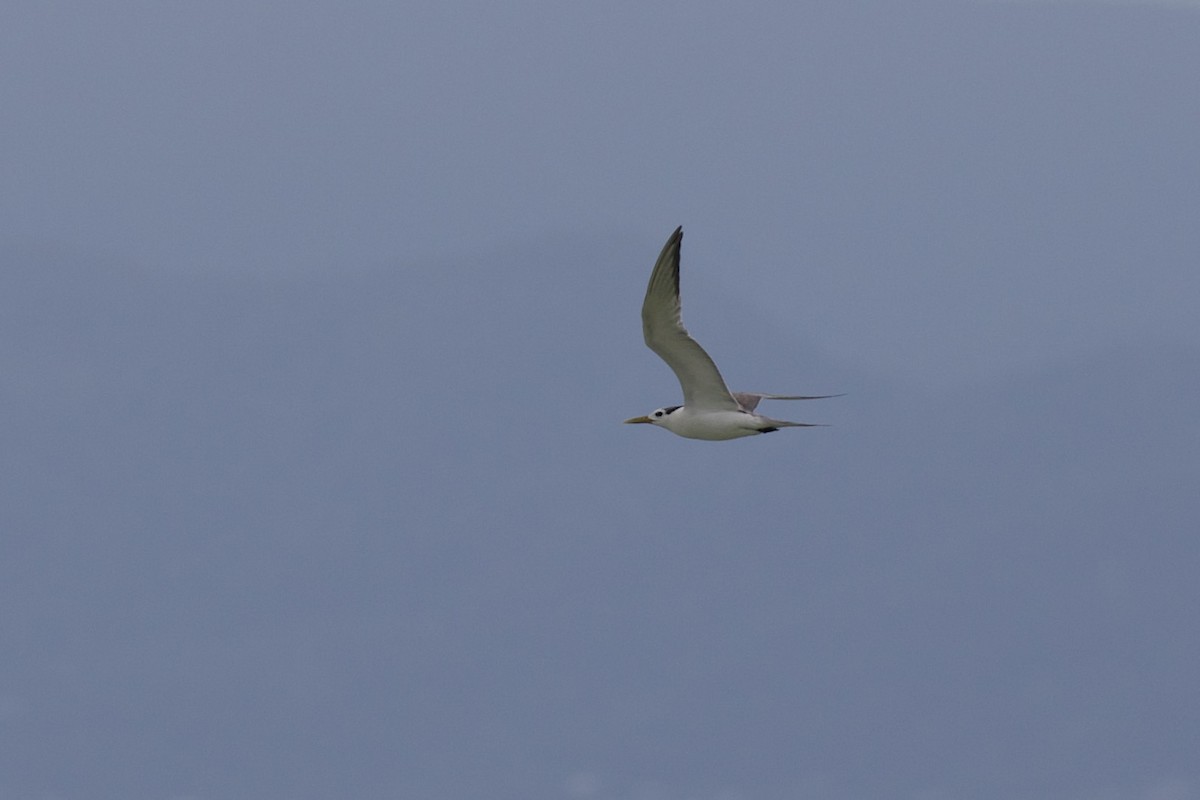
column 320, row 320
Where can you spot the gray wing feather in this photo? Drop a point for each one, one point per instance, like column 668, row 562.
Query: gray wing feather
column 662, row 326
column 749, row 400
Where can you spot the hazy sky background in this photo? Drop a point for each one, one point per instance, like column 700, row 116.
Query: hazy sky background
column 319, row 321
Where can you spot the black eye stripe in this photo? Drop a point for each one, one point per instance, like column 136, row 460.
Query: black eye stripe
column 671, row 408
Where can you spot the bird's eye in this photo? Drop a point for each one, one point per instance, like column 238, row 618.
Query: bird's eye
column 658, row 413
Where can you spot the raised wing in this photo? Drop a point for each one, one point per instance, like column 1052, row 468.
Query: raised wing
column 662, row 325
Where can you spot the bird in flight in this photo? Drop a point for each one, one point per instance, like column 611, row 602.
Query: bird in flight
column 709, row 411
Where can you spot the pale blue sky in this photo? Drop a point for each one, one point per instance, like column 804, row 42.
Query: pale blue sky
column 320, row 321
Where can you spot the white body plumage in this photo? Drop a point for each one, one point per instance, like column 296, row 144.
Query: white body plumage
column 714, row 426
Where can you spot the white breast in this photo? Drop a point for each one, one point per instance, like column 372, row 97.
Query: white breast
column 712, row 425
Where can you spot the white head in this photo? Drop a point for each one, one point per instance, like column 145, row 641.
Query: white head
column 656, row 417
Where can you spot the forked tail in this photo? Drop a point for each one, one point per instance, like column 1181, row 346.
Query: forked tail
column 772, row 425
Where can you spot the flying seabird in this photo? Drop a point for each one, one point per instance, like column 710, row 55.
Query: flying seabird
column 709, row 411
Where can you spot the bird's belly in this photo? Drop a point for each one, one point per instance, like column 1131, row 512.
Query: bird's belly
column 714, row 425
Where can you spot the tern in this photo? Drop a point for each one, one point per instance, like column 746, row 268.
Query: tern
column 709, row 411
